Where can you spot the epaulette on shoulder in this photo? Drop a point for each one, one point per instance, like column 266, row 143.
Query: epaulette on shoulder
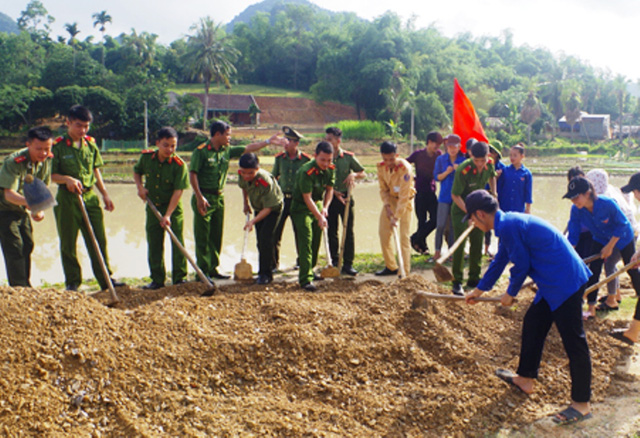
column 466, row 170
column 147, row 151
column 58, row 140
column 304, row 154
column 311, row 171
column 202, row 146
column 281, row 154
column 381, row 163
column 90, row 139
column 178, row 160
column 490, row 160
column 348, row 153
column 20, row 158
column 262, row 182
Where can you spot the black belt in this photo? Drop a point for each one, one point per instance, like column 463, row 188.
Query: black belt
column 84, row 189
column 288, row 195
column 210, row 191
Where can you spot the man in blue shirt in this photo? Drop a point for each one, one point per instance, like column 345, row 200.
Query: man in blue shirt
column 516, row 184
column 539, row 251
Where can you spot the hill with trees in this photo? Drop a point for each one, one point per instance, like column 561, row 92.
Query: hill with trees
column 8, row 24
column 384, row 67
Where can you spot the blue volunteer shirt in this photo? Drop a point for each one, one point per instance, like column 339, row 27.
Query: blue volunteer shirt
column 539, row 251
column 515, row 189
column 442, row 162
column 606, row 221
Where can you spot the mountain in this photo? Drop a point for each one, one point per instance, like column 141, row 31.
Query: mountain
column 8, row 24
column 269, row 6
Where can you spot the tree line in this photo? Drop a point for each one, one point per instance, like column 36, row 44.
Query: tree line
column 385, row 68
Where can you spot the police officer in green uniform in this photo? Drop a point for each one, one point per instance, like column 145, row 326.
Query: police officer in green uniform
column 165, row 177
column 312, row 195
column 472, row 174
column 76, row 168
column 208, row 176
column 16, row 236
column 261, row 192
column 348, row 168
column 285, row 167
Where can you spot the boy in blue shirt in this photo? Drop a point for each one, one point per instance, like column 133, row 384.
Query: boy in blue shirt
column 444, row 171
column 516, row 184
column 539, row 251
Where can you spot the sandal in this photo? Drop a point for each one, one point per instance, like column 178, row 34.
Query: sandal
column 570, row 416
column 604, row 307
column 508, row 376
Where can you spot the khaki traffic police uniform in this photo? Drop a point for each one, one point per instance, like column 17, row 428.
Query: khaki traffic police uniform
column 466, row 180
column 345, row 163
column 284, row 170
column 396, row 190
column 211, row 166
column 79, row 163
column 16, row 235
column 162, row 179
column 264, row 192
column 309, row 179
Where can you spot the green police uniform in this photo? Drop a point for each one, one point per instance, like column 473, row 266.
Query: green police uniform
column 161, row 179
column 80, row 163
column 264, row 192
column 309, row 179
column 284, row 170
column 211, row 167
column 345, row 163
column 466, row 180
column 16, row 235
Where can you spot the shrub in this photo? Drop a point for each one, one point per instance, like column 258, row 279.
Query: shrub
column 365, row 130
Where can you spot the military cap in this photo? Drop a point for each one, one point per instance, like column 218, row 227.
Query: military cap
column 495, row 150
column 291, row 133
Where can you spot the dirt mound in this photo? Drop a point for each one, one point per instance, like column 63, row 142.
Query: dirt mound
column 300, row 111
column 351, row 360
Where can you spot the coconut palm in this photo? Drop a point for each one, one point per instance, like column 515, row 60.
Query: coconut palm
column 530, row 113
column 73, row 30
column 209, row 57
column 101, row 18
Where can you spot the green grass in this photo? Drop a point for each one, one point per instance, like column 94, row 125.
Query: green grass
column 256, row 90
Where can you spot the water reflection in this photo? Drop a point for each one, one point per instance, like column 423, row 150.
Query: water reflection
column 127, row 244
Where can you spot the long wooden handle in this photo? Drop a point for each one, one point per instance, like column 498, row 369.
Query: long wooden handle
column 246, row 237
column 457, row 243
column 403, row 273
column 345, row 222
column 203, row 277
column 96, row 248
column 609, row 278
column 325, row 233
column 457, row 297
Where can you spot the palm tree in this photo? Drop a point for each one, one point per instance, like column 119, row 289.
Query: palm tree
column 209, row 57
column 530, row 113
column 73, row 30
column 101, row 18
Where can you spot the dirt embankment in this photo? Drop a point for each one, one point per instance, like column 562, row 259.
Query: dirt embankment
column 351, row 360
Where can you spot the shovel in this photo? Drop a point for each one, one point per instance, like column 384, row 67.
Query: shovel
column 442, row 273
column 96, row 248
column 586, row 261
column 345, row 221
column 330, row 271
column 401, row 271
column 204, row 278
column 243, row 270
column 596, row 286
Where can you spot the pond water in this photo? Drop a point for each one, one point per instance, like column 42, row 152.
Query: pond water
column 127, row 244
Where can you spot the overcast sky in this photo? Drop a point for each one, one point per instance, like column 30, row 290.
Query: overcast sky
column 601, row 32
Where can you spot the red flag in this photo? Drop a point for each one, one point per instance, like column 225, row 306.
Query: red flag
column 466, row 123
